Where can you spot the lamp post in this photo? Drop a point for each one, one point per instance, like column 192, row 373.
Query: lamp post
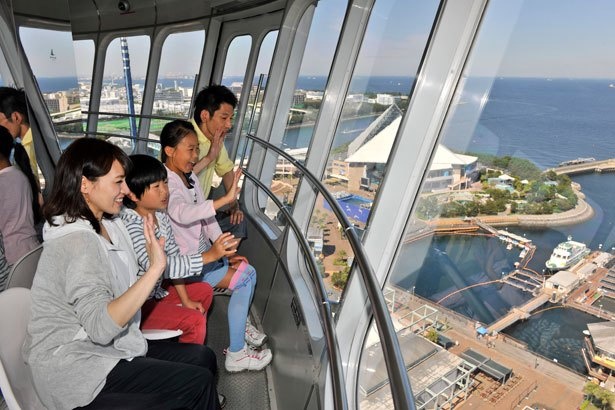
column 413, row 290
column 600, row 312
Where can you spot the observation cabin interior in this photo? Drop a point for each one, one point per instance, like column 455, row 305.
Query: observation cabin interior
column 409, row 166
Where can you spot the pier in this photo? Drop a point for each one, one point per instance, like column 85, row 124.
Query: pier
column 518, row 313
column 607, row 165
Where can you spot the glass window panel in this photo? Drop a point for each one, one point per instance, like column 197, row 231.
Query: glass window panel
column 84, row 61
column 390, row 53
column 176, row 81
column 52, row 58
column 313, row 74
column 115, row 96
column 320, row 47
column 261, row 73
column 178, row 70
column 236, row 63
column 512, row 179
column 5, row 75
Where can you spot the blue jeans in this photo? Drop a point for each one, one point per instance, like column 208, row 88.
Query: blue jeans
column 241, row 298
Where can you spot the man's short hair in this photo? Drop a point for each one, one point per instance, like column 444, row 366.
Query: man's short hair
column 13, row 100
column 211, row 98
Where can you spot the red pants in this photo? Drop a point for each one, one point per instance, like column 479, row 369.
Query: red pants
column 166, row 314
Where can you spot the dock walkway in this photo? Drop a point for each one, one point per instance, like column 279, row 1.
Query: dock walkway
column 607, row 165
column 518, row 313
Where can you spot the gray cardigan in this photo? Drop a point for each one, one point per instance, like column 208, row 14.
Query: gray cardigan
column 72, row 343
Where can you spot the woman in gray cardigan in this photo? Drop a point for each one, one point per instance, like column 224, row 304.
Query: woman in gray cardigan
column 83, row 342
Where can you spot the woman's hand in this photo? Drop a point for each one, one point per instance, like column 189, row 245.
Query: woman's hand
column 124, row 307
column 154, row 246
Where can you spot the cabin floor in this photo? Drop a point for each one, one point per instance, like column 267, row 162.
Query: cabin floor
column 245, row 390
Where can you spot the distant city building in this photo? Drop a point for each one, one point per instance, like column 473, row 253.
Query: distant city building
column 314, row 95
column 298, row 98
column 169, row 94
column 236, row 88
column 503, row 182
column 56, row 102
column 284, row 168
column 562, row 283
column 355, row 98
column 386, row 99
column 603, row 338
column 315, row 239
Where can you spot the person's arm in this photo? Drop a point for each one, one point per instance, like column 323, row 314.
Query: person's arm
column 232, row 190
column 236, row 214
column 89, row 287
column 214, row 150
column 188, row 303
column 184, row 211
column 124, row 307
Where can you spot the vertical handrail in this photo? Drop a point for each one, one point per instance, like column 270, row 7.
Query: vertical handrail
column 398, row 377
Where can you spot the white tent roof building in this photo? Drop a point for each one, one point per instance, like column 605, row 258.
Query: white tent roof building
column 370, row 151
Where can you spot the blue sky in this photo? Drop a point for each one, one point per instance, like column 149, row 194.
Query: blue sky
column 545, row 38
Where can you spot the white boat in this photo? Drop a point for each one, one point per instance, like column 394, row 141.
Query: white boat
column 567, row 254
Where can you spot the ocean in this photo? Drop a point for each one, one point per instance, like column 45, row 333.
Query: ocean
column 547, row 122
column 395, row 84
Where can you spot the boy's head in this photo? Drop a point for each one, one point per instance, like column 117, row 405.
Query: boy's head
column 147, row 182
column 214, row 108
column 13, row 111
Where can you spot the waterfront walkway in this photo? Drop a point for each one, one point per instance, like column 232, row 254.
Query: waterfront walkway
column 581, row 213
column 607, row 165
column 518, row 313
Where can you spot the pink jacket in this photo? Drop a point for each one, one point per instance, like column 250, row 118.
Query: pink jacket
column 191, row 214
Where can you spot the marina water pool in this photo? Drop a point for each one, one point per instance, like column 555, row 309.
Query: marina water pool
column 354, row 206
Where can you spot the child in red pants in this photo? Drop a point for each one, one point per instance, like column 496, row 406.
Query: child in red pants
column 172, row 304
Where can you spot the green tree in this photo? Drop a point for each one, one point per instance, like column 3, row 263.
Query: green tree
column 598, row 396
column 432, row 335
column 427, row 207
column 342, row 255
column 340, row 278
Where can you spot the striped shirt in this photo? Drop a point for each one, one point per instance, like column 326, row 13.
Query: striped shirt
column 178, row 266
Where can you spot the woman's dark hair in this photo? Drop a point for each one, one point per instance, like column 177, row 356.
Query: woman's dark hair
column 145, row 171
column 172, row 134
column 86, row 157
column 8, row 144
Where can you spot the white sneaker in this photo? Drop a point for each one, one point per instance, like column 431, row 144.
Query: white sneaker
column 253, row 337
column 247, row 359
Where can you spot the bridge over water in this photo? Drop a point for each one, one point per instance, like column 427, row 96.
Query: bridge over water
column 518, row 313
column 607, row 165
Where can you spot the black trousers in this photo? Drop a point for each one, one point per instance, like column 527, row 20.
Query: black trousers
column 171, row 376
